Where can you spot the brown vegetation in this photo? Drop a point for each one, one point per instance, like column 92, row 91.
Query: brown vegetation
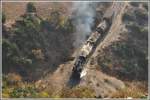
column 133, row 90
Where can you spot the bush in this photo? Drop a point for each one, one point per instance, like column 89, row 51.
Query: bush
column 141, row 15
column 30, row 8
column 135, row 4
column 9, row 54
column 23, row 92
column 128, row 17
column 145, row 5
column 14, row 87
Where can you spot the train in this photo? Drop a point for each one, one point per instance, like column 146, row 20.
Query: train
column 89, row 45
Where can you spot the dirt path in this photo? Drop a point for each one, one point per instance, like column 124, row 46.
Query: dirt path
column 117, row 26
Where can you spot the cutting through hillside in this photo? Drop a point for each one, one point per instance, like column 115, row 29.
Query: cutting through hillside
column 73, row 73
column 75, row 49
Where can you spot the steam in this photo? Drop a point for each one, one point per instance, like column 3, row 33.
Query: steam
column 83, row 19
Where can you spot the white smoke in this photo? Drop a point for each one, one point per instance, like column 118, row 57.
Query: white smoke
column 83, row 19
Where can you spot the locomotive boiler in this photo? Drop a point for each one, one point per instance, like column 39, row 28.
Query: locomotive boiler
column 88, row 47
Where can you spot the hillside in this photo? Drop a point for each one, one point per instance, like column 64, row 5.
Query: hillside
column 41, row 45
column 102, row 84
column 43, row 10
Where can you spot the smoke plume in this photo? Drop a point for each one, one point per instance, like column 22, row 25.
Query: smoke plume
column 83, row 19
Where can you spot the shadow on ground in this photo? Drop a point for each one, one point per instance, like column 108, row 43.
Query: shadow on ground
column 73, row 81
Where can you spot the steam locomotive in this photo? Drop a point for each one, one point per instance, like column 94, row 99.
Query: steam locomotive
column 89, row 45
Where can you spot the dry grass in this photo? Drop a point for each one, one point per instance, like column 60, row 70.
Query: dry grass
column 134, row 90
column 78, row 92
column 14, row 10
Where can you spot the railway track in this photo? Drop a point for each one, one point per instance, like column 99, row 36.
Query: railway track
column 79, row 69
column 62, row 76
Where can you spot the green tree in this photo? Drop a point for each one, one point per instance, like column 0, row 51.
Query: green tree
column 30, row 8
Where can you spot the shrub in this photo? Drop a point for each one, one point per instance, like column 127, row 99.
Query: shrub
column 145, row 5
column 14, row 87
column 141, row 15
column 128, row 17
column 24, row 92
column 135, row 4
column 38, row 54
column 30, row 8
